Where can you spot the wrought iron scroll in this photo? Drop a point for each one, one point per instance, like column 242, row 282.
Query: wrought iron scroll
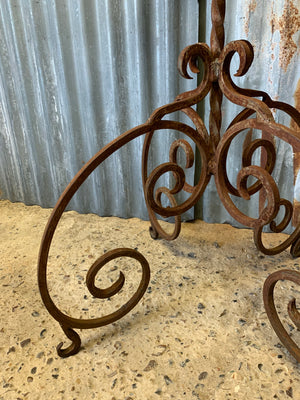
column 68, row 323
column 256, row 115
column 268, row 293
column 213, row 148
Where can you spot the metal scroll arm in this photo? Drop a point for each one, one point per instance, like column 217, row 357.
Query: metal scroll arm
column 68, row 323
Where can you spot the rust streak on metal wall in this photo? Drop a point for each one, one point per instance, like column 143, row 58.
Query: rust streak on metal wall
column 288, row 24
column 251, row 8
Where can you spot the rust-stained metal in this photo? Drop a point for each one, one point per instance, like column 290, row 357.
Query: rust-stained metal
column 287, row 25
column 217, row 39
column 213, row 147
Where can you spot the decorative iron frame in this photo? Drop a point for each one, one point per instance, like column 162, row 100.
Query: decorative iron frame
column 213, row 149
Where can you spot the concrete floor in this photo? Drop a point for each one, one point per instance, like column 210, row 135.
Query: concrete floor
column 200, row 331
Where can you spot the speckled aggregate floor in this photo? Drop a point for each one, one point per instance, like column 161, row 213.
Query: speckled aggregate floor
column 200, row 331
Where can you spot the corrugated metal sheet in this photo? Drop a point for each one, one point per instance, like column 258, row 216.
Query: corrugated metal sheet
column 75, row 74
column 273, row 28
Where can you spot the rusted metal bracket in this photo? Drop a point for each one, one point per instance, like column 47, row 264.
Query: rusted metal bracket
column 213, row 149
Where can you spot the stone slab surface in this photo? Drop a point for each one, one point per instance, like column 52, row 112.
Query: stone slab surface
column 200, row 331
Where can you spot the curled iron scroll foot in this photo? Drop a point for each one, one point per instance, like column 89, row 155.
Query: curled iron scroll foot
column 268, row 294
column 74, row 346
column 153, row 233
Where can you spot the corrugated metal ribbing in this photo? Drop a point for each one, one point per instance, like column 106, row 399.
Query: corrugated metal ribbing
column 74, row 75
column 273, row 28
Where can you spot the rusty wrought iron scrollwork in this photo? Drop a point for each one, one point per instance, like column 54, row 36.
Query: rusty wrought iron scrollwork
column 256, row 115
column 213, row 148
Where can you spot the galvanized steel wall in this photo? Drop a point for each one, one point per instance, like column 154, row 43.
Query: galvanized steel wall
column 74, row 74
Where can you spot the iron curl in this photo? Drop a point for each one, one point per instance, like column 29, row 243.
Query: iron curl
column 245, row 51
column 268, row 296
